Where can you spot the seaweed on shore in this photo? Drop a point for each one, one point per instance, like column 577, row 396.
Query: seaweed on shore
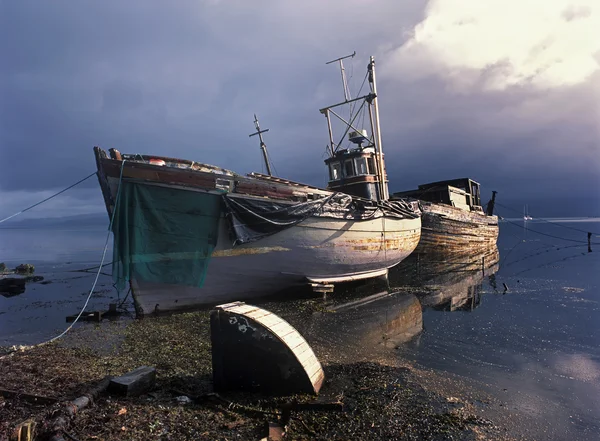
column 377, row 401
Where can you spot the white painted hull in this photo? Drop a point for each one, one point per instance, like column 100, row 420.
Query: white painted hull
column 319, row 249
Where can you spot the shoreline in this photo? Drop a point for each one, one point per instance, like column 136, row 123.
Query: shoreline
column 381, row 399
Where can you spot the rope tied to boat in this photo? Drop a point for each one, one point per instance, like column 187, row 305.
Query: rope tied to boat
column 47, row 199
column 112, row 218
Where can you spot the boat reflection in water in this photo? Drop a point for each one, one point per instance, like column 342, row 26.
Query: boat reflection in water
column 447, row 282
column 366, row 321
column 363, row 328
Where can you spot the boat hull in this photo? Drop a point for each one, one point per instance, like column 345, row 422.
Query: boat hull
column 319, row 249
column 315, row 250
column 447, row 229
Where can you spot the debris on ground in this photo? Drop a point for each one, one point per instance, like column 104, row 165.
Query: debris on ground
column 360, row 400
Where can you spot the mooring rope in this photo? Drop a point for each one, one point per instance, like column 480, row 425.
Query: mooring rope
column 557, row 224
column 47, row 199
column 549, row 235
column 112, row 218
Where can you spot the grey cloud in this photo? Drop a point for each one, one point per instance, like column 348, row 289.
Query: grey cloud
column 184, row 79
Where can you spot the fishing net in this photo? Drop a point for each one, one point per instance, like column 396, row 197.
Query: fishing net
column 164, row 235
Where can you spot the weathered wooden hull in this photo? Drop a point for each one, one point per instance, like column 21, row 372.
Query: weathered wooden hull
column 318, row 250
column 446, row 229
column 315, row 250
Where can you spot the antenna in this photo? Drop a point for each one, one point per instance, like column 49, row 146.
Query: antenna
column 263, row 146
column 343, row 71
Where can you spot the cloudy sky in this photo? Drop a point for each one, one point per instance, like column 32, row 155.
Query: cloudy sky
column 504, row 91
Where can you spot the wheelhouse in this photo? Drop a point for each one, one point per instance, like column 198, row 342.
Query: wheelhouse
column 354, row 171
column 461, row 193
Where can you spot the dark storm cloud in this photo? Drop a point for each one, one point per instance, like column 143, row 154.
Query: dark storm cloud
column 181, row 79
column 184, row 79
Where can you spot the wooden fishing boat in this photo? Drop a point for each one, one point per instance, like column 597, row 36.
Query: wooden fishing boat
column 453, row 219
column 188, row 234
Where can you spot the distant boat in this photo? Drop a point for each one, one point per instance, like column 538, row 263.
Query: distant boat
column 453, row 219
column 526, row 216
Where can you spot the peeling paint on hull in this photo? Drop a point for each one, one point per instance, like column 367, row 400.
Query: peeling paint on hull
column 316, row 248
column 446, row 229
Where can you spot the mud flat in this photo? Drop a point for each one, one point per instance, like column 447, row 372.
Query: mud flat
column 374, row 398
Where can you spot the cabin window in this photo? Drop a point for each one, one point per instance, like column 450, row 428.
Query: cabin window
column 335, row 171
column 371, row 164
column 348, row 168
column 361, row 166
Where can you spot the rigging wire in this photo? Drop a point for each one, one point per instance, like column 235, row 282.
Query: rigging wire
column 353, row 104
column 351, row 122
column 546, row 249
column 47, row 199
column 549, row 235
column 563, row 259
column 95, row 279
column 549, row 222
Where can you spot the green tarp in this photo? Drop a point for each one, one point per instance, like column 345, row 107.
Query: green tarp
column 164, row 235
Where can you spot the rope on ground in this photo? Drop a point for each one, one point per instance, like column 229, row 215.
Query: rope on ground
column 47, row 199
column 85, row 270
column 25, row 348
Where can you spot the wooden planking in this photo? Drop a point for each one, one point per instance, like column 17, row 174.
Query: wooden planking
column 446, row 228
column 242, row 309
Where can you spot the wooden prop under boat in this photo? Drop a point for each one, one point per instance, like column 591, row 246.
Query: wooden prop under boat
column 453, row 219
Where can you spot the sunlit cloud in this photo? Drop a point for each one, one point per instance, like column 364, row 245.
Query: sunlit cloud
column 496, row 44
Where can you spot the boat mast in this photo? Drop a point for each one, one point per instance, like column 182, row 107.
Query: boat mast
column 343, row 72
column 263, row 146
column 373, row 108
column 382, row 181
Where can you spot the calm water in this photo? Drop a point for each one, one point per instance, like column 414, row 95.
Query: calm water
column 535, row 345
column 57, row 254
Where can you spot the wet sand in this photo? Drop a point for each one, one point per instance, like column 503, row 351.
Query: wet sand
column 478, row 363
column 382, row 398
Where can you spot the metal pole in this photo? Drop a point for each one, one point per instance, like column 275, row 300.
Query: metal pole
column 384, row 187
column 346, row 93
column 331, row 146
column 263, row 146
column 378, row 166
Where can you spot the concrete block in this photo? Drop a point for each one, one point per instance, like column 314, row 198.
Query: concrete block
column 133, row 383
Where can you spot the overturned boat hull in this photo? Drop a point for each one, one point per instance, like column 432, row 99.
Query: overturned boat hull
column 237, row 260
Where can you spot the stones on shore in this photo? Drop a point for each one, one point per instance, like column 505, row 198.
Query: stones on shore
column 12, row 282
column 25, row 268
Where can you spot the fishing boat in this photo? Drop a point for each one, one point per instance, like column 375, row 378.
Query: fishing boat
column 453, row 218
column 189, row 234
